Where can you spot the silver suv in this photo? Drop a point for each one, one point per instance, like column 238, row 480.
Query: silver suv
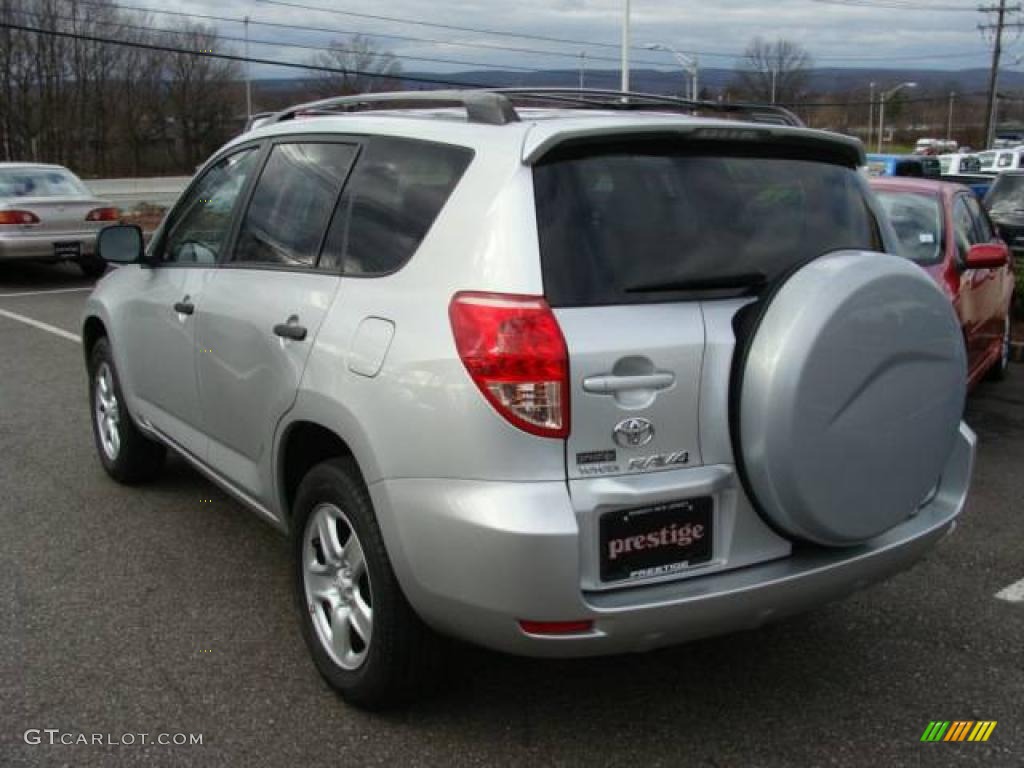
column 559, row 373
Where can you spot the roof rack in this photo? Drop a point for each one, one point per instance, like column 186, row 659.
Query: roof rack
column 496, row 106
column 482, row 106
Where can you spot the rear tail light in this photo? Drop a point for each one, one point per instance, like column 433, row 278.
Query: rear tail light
column 103, row 214
column 556, row 627
column 18, row 217
column 515, row 353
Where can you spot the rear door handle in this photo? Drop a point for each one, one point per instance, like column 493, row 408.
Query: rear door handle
column 184, row 307
column 292, row 331
column 609, row 384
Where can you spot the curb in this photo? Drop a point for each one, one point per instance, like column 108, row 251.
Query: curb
column 1017, row 351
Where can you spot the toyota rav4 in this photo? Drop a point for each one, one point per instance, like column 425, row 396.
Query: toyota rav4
column 560, row 373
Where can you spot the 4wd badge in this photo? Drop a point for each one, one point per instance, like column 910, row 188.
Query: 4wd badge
column 633, row 433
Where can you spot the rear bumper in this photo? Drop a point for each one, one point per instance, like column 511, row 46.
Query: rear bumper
column 31, row 246
column 475, row 557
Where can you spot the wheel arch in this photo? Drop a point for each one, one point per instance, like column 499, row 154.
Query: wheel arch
column 93, row 329
column 314, row 431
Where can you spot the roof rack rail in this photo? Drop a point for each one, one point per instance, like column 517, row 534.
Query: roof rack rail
column 482, row 105
column 495, row 106
column 594, row 98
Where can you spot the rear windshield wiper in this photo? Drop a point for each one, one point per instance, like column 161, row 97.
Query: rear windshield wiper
column 720, row 283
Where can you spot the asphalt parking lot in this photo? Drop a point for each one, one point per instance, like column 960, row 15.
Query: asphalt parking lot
column 167, row 609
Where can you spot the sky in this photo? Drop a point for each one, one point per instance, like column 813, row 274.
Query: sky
column 929, row 34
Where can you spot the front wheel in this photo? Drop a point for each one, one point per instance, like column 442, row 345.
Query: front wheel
column 365, row 638
column 92, row 266
column 127, row 455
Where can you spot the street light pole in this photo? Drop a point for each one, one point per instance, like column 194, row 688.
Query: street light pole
column 775, row 75
column 625, row 48
column 583, row 67
column 949, row 122
column 883, row 97
column 248, row 79
column 689, row 64
column 871, row 114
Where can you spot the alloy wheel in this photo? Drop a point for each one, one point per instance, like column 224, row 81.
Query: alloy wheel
column 337, row 586
column 107, row 412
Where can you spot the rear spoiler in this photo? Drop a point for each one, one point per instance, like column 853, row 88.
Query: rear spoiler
column 542, row 139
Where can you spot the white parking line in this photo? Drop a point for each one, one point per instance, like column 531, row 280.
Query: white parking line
column 41, row 326
column 1013, row 593
column 43, row 293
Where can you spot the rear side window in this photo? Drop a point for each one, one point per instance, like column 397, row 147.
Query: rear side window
column 628, row 226
column 397, row 189
column 292, row 203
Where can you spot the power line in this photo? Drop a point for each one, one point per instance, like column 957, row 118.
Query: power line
column 229, row 38
column 508, row 49
column 909, row 5
column 338, row 31
column 233, row 57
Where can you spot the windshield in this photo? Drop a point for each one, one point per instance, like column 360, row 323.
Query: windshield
column 946, row 163
column 917, row 219
column 1007, row 195
column 40, row 182
column 987, row 159
column 630, row 224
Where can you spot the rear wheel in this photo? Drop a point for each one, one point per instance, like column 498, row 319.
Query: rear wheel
column 998, row 371
column 364, row 637
column 92, row 266
column 127, row 455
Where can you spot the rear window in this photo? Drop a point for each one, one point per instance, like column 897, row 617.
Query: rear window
column 1006, row 195
column 917, row 219
column 397, row 190
column 628, row 226
column 40, row 182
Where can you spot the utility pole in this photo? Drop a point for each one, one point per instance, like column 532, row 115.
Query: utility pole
column 996, row 30
column 949, row 122
column 625, row 47
column 583, row 67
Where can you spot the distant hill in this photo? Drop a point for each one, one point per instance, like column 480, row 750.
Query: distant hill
column 822, row 81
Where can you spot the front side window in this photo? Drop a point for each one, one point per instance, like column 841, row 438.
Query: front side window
column 397, row 190
column 982, row 227
column 200, row 225
column 650, row 222
column 917, row 220
column 292, row 203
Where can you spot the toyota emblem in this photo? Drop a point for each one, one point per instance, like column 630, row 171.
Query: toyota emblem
column 633, row 433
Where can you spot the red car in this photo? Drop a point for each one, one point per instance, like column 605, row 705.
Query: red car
column 944, row 228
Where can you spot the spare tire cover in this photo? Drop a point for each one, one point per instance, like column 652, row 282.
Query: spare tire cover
column 851, row 389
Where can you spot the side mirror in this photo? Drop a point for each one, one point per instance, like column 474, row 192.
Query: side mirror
column 121, row 244
column 987, row 256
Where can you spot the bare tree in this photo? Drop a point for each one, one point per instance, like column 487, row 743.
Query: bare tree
column 363, row 66
column 774, row 71
column 202, row 98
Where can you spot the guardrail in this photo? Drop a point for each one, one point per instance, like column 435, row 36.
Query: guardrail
column 129, row 193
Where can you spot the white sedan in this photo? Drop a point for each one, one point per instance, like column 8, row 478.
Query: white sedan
column 47, row 214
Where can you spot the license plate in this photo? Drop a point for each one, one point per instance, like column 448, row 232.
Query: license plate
column 67, row 250
column 657, row 540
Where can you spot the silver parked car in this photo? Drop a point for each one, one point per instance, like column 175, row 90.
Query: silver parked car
column 559, row 373
column 47, row 214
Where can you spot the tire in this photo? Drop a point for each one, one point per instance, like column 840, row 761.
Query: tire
column 92, row 266
column 385, row 655
column 999, row 370
column 127, row 455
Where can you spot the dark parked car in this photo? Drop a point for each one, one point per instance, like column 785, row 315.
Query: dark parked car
column 1005, row 204
column 944, row 228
